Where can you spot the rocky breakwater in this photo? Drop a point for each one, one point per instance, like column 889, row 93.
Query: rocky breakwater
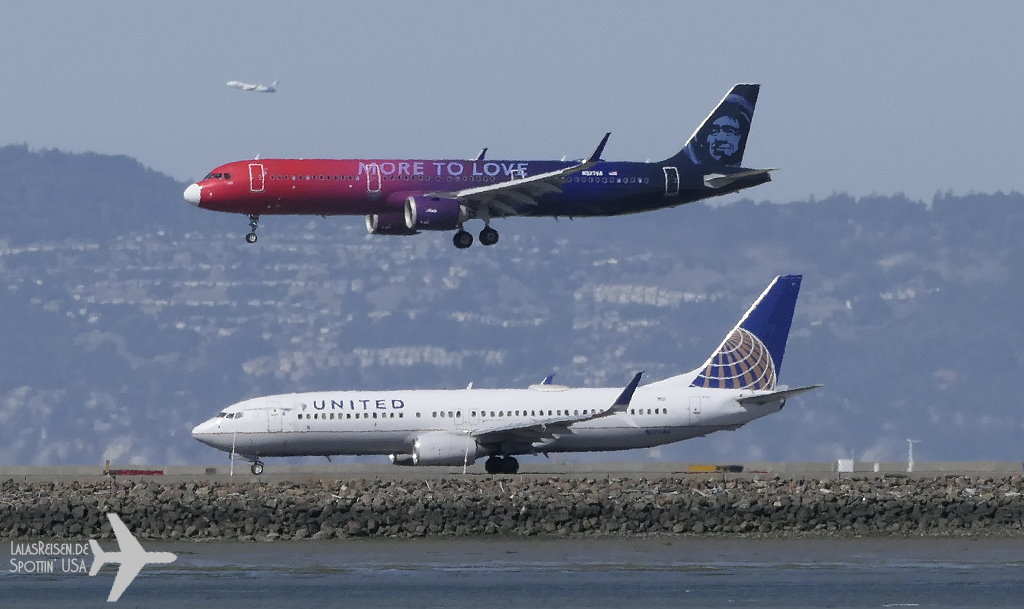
column 480, row 506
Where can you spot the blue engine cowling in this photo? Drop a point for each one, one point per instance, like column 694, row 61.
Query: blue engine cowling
column 434, row 213
column 392, row 223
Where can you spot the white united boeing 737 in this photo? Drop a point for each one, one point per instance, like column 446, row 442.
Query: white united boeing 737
column 736, row 385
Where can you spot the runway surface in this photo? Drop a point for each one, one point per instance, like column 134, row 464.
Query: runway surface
column 277, row 470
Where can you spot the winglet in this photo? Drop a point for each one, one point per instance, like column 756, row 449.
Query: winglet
column 600, row 149
column 622, row 403
column 480, row 155
column 547, row 379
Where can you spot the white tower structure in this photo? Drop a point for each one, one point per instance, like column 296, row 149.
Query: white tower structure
column 910, row 454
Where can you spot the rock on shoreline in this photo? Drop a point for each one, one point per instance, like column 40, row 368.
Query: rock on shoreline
column 555, row 507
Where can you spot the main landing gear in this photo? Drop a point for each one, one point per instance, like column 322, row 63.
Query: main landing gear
column 488, row 236
column 463, row 239
column 254, row 223
column 256, row 468
column 501, row 465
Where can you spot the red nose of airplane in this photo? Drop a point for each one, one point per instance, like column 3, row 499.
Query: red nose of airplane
column 192, row 194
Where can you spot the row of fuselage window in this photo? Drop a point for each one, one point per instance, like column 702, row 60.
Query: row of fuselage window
column 415, row 178
column 457, row 414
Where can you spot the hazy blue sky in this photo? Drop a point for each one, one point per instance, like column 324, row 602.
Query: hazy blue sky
column 886, row 97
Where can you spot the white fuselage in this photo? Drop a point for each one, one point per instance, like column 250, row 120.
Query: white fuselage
column 389, row 422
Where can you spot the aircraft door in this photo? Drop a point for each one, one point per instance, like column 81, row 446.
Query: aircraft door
column 275, row 417
column 372, row 177
column 671, row 181
column 696, row 406
column 256, row 177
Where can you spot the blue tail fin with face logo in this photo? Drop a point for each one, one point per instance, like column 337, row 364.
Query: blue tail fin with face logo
column 722, row 137
column 750, row 357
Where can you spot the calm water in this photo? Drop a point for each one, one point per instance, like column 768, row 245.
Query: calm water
column 552, row 575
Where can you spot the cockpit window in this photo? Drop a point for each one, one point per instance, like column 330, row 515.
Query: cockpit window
column 217, row 175
column 221, row 415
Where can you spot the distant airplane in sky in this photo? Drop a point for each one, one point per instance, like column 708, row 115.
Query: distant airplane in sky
column 131, row 556
column 256, row 88
column 404, row 197
column 736, row 385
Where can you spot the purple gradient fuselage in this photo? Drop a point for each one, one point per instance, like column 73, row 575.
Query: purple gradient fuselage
column 330, row 187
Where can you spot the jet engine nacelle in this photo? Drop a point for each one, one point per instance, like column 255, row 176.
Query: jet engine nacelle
column 388, row 224
column 434, row 213
column 401, row 459
column 442, row 448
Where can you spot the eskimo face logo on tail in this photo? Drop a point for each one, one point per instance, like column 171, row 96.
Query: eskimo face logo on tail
column 742, row 362
column 722, row 138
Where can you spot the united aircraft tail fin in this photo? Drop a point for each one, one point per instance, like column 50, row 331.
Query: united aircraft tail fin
column 722, row 137
column 750, row 357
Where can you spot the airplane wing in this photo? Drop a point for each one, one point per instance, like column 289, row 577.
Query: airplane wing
column 126, row 542
column 550, row 427
column 775, row 396
column 496, row 200
column 126, row 572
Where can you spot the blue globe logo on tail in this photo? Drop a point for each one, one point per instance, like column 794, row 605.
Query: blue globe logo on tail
column 751, row 355
column 742, row 362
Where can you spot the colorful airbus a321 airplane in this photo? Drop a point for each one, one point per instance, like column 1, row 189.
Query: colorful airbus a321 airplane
column 405, row 197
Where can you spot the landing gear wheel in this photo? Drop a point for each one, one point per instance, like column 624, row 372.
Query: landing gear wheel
column 501, row 465
column 256, row 467
column 493, row 465
column 488, row 236
column 462, row 239
column 254, row 223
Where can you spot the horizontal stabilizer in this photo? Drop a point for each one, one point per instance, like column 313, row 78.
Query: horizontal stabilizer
column 775, row 396
column 721, row 180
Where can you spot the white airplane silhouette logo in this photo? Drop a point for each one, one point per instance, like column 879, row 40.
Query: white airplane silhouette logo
column 131, row 557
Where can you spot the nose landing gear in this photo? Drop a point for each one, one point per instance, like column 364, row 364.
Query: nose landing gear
column 256, row 468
